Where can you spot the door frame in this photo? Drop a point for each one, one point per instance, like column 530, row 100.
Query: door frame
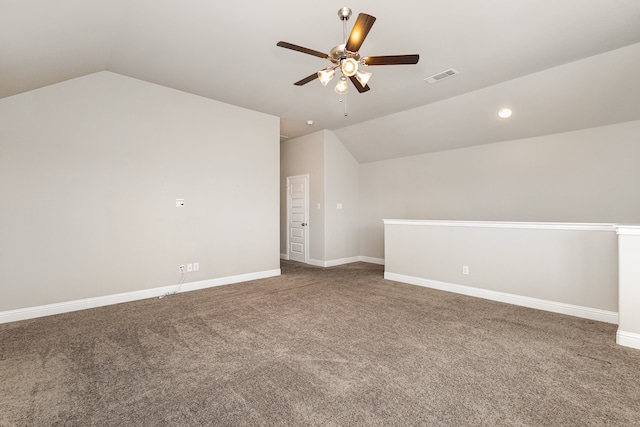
column 306, row 219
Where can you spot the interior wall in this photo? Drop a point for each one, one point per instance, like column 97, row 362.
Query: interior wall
column 341, row 200
column 333, row 180
column 589, row 175
column 629, row 294
column 302, row 156
column 90, row 172
column 573, row 264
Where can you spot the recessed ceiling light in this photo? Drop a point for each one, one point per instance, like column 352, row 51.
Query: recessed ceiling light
column 309, row 122
column 505, row 113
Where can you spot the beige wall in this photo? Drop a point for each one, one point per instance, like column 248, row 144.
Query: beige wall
column 584, row 176
column 629, row 271
column 570, row 265
column 89, row 172
column 333, row 179
column 304, row 156
column 341, row 182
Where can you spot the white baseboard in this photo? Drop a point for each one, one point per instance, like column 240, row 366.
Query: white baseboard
column 342, row 261
column 210, row 283
column 628, row 339
column 539, row 304
column 370, row 260
column 83, row 304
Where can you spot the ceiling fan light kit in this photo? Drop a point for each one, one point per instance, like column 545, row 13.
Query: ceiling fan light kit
column 326, row 75
column 347, row 58
column 363, row 77
column 349, row 67
column 342, row 87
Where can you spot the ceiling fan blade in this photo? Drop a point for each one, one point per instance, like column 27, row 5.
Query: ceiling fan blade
column 307, row 79
column 302, row 49
column 358, row 86
column 359, row 32
column 391, row 59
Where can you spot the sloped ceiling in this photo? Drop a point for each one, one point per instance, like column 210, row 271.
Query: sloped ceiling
column 561, row 65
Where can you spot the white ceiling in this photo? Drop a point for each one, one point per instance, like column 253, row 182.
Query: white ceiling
column 535, row 56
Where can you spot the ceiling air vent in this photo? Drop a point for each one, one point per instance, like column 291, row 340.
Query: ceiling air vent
column 441, row 76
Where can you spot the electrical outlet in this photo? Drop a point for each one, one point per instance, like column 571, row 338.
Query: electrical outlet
column 189, row 268
column 196, row 266
column 181, row 268
column 465, row 269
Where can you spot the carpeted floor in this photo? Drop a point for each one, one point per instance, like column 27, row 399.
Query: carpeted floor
column 334, row 347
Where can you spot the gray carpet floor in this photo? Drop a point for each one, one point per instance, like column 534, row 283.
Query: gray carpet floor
column 330, row 347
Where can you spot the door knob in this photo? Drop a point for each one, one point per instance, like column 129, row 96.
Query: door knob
column 304, row 224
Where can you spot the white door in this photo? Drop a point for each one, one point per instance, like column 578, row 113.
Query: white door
column 298, row 218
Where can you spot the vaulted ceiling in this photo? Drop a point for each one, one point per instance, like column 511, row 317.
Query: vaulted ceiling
column 560, row 65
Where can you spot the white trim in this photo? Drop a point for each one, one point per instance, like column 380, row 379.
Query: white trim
column 204, row 284
column 333, row 262
column 628, row 230
column 371, row 260
column 316, row 262
column 539, row 304
column 342, row 261
column 83, row 304
column 284, row 256
column 628, row 339
column 503, row 224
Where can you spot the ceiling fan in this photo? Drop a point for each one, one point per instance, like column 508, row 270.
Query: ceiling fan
column 346, row 57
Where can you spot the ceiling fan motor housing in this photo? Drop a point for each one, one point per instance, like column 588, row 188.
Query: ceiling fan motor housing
column 338, row 53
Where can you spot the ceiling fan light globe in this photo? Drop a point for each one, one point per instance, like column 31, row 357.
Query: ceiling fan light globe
column 363, row 77
column 349, row 67
column 326, row 75
column 342, row 87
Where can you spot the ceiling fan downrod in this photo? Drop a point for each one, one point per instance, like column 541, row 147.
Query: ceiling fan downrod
column 344, row 14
